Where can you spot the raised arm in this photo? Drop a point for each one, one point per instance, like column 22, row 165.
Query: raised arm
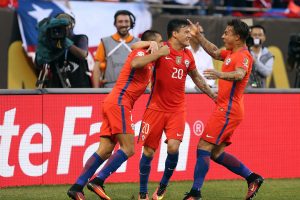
column 151, row 46
column 201, row 84
column 209, row 47
column 81, row 50
column 141, row 61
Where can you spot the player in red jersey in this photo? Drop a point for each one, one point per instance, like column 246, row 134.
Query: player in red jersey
column 229, row 110
column 166, row 105
column 117, row 125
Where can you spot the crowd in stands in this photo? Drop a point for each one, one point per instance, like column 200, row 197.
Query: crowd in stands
column 258, row 8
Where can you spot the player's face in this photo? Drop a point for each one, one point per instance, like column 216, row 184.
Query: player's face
column 183, row 36
column 229, row 38
column 122, row 24
column 159, row 40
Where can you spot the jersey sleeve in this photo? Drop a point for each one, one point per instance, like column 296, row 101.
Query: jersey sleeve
column 138, row 52
column 192, row 64
column 242, row 62
column 224, row 54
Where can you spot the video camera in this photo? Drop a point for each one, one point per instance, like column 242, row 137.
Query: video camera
column 53, row 44
column 57, row 32
column 294, row 50
column 294, row 57
column 52, row 40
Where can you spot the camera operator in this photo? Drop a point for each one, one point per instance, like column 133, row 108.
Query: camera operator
column 263, row 59
column 63, row 53
column 294, row 57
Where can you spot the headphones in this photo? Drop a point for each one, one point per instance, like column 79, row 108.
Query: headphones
column 125, row 12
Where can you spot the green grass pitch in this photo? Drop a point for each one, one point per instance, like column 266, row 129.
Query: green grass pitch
column 272, row 189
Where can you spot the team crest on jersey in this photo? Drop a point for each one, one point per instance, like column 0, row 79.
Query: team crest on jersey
column 140, row 53
column 227, row 61
column 246, row 62
column 178, row 60
column 187, row 63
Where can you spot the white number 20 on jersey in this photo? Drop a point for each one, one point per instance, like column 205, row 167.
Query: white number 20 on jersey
column 177, row 73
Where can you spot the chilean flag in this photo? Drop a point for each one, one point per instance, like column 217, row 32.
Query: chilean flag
column 94, row 19
column 30, row 13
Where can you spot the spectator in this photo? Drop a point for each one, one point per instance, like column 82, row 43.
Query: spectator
column 203, row 61
column 280, row 3
column 180, row 3
column 113, row 51
column 262, row 57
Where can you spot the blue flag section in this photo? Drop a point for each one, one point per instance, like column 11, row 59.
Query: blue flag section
column 30, row 13
column 93, row 18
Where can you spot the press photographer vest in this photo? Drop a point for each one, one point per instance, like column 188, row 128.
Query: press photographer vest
column 116, row 53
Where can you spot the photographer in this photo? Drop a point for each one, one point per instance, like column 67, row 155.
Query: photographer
column 294, row 57
column 61, row 55
column 262, row 57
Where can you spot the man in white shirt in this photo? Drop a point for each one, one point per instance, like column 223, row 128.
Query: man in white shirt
column 203, row 61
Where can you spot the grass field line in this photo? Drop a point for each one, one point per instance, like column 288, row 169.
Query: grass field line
column 272, row 189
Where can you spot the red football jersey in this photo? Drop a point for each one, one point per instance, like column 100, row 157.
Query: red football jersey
column 230, row 100
column 131, row 83
column 168, row 81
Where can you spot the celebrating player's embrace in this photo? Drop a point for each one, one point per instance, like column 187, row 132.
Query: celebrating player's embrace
column 168, row 64
column 117, row 120
column 166, row 105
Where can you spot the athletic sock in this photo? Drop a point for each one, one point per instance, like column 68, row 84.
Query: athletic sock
column 89, row 169
column 170, row 165
column 233, row 164
column 201, row 168
column 113, row 163
column 145, row 167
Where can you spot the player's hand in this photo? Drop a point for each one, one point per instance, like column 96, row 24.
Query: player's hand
column 211, row 74
column 164, row 50
column 195, row 30
column 153, row 47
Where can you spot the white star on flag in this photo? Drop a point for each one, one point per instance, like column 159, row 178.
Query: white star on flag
column 39, row 13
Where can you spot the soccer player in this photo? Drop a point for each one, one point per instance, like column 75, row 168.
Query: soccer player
column 117, row 121
column 229, row 110
column 166, row 105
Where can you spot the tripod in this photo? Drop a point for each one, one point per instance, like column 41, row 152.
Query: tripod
column 40, row 83
column 44, row 73
column 297, row 80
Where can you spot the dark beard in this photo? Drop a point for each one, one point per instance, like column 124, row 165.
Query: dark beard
column 123, row 34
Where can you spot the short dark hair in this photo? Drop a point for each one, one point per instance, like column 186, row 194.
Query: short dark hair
column 175, row 25
column 125, row 12
column 149, row 35
column 258, row 26
column 240, row 28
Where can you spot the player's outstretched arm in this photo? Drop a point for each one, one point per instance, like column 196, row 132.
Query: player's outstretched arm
column 236, row 75
column 201, row 84
column 209, row 47
column 141, row 61
column 151, row 46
